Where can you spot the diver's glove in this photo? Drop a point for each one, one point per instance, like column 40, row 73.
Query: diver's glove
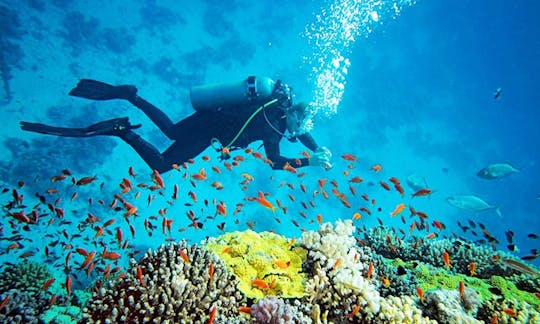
column 321, row 157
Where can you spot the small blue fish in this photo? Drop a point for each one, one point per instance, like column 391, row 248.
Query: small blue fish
column 497, row 93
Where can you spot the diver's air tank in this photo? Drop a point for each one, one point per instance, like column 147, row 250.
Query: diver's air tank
column 222, row 96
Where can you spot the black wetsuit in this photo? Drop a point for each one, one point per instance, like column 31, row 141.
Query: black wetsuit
column 194, row 134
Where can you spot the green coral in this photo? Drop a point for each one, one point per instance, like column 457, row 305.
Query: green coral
column 25, row 276
column 265, row 256
column 430, row 278
column 62, row 315
column 510, row 291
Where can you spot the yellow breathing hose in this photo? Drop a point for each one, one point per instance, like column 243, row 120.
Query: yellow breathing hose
column 271, row 102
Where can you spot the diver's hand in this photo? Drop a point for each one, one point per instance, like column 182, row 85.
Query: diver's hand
column 124, row 91
column 321, row 157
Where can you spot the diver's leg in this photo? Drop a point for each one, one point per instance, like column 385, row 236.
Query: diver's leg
column 97, row 90
column 178, row 153
column 147, row 152
column 162, row 121
column 116, row 126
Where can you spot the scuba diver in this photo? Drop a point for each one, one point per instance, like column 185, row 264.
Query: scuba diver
column 227, row 116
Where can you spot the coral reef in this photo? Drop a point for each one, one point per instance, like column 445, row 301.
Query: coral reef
column 401, row 310
column 445, row 307
column 273, row 310
column 24, row 277
column 462, row 253
column 176, row 283
column 20, row 285
column 266, row 257
column 507, row 311
column 22, row 307
column 335, row 268
column 396, row 278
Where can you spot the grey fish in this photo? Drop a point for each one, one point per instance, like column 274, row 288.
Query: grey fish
column 416, row 182
column 520, row 267
column 496, row 171
column 472, row 203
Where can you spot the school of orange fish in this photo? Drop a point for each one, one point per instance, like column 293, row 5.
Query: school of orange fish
column 84, row 236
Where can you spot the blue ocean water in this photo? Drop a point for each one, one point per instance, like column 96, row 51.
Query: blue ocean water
column 417, row 98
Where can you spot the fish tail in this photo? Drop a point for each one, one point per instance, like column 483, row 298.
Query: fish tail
column 498, row 211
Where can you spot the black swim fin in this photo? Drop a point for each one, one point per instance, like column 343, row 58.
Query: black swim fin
column 116, row 126
column 97, row 90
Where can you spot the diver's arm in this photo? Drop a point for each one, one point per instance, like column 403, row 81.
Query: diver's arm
column 321, row 155
column 308, row 141
column 272, row 150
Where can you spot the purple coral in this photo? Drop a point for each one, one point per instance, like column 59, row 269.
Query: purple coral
column 272, row 310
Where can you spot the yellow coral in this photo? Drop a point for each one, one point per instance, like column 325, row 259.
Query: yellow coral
column 265, row 256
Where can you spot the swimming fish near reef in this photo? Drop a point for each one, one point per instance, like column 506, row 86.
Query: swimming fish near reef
column 416, row 182
column 496, row 171
column 472, row 203
column 520, row 267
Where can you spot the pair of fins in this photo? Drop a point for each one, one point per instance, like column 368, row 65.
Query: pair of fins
column 95, row 90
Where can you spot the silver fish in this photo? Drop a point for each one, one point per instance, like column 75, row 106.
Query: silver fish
column 496, row 171
column 472, row 203
column 416, row 182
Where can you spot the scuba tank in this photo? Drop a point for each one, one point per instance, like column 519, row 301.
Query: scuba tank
column 231, row 95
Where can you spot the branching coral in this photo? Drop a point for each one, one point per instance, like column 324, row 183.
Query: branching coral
column 336, row 267
column 175, row 284
column 273, row 310
column 461, row 253
column 24, row 277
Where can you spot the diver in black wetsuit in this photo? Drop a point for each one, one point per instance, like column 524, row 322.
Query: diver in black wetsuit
column 261, row 117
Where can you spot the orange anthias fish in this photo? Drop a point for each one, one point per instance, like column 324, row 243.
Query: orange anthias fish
column 420, row 293
column 84, row 181
column 264, row 202
column 370, row 270
column 201, row 175
column 282, row 264
column 422, row 192
column 398, row 210
column 446, row 259
column 158, row 180
column 261, row 284
column 289, row 167
column 68, row 285
column 222, row 209
column 140, row 276
column 472, row 268
column 212, row 315
column 376, row 168
column 349, row 157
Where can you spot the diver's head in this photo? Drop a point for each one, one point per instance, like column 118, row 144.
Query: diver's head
column 299, row 119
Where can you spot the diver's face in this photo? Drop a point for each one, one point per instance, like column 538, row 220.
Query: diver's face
column 294, row 122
